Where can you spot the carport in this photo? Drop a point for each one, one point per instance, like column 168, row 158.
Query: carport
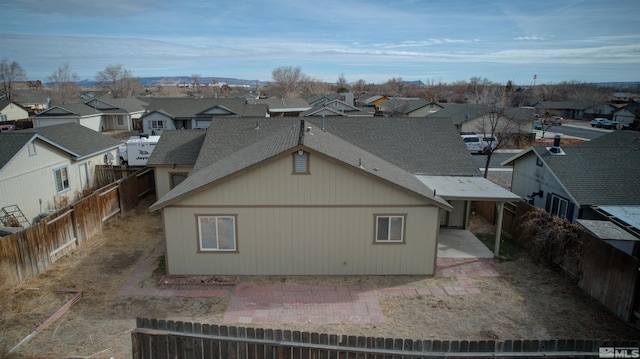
column 460, row 191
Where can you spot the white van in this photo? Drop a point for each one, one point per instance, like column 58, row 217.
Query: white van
column 480, row 143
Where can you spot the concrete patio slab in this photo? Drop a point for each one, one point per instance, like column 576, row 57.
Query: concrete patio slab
column 460, row 243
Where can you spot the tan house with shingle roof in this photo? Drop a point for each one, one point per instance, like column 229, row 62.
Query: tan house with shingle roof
column 284, row 196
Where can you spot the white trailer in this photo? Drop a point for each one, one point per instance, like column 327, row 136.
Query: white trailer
column 138, row 150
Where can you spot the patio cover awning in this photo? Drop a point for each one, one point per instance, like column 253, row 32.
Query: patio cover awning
column 472, row 189
column 467, row 188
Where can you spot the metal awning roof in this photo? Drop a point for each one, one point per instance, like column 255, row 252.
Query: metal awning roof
column 606, row 230
column 467, row 188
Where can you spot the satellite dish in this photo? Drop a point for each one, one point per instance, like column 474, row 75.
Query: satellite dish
column 108, row 158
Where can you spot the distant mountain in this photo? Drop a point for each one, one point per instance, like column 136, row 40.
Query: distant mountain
column 177, row 80
column 620, row 85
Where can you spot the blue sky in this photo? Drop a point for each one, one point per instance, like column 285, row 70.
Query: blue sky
column 432, row 41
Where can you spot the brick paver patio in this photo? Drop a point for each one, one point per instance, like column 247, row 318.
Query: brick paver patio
column 316, row 303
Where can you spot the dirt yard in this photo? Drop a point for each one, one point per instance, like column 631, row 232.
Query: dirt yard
column 525, row 302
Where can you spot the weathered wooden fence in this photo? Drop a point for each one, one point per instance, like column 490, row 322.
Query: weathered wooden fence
column 606, row 273
column 25, row 254
column 168, row 339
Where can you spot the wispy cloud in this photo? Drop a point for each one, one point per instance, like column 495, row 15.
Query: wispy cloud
column 530, row 38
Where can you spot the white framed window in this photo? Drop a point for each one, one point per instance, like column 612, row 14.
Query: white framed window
column 390, row 228
column 157, row 124
column 217, row 233
column 31, row 147
column 62, row 179
column 120, row 120
column 3, row 118
column 559, row 206
column 301, row 162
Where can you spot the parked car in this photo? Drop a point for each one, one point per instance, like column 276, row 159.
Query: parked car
column 7, row 128
column 554, row 121
column 597, row 122
column 606, row 123
column 480, row 143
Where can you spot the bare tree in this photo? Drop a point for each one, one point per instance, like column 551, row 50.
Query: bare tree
column 480, row 87
column 499, row 124
column 394, row 87
column 341, row 85
column 287, row 81
column 10, row 73
column 360, row 86
column 118, row 81
column 66, row 89
column 196, row 82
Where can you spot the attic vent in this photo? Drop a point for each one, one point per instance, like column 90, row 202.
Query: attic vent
column 301, row 162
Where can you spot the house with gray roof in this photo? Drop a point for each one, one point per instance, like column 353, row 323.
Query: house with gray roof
column 283, row 107
column 627, row 114
column 97, row 113
column 337, row 108
column 574, row 109
column 12, row 111
column 477, row 118
column 45, row 168
column 591, row 181
column 194, row 113
column 409, row 107
column 339, row 196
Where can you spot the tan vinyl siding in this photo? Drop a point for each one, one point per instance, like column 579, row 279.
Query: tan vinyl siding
column 163, row 184
column 14, row 112
column 321, row 224
column 329, row 183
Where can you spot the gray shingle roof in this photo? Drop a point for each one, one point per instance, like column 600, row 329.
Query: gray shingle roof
column 280, row 142
column 429, row 146
column 602, row 172
column 11, row 143
column 227, row 135
column 179, row 147
column 187, row 108
column 420, row 146
column 80, row 141
column 79, row 109
column 461, row 113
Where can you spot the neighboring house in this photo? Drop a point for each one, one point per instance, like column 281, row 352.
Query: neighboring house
column 627, row 114
column 408, row 107
column 99, row 114
column 337, row 108
column 174, row 158
column 581, row 182
column 32, row 101
column 191, row 113
column 570, row 109
column 624, row 97
column 476, row 118
column 12, row 111
column 283, row 107
column 44, row 168
column 289, row 197
column 602, row 110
